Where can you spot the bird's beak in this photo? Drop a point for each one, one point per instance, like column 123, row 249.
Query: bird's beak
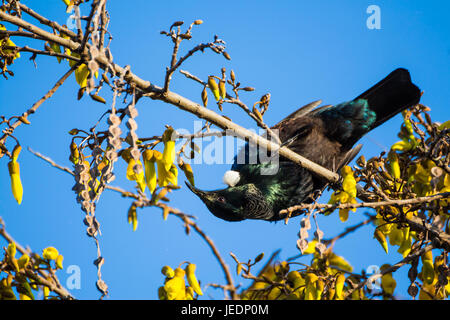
column 201, row 194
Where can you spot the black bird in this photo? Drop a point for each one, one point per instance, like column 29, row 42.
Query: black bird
column 324, row 135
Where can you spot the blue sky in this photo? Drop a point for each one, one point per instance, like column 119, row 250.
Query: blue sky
column 298, row 51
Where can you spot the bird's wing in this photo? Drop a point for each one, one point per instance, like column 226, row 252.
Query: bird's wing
column 349, row 156
column 301, row 111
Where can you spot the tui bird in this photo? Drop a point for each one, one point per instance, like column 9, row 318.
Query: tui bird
column 324, row 135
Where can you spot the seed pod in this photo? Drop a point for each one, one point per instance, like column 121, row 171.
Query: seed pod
column 177, row 24
column 232, row 76
column 105, row 78
column 222, row 89
column 413, row 290
column 98, row 98
column 204, row 97
column 187, row 169
column 166, row 212
column 259, row 257
column 24, row 120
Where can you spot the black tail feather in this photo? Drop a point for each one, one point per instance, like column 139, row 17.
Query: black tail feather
column 391, row 95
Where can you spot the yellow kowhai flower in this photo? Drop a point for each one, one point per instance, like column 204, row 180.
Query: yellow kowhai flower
column 166, row 177
column 214, row 87
column 187, row 169
column 132, row 217
column 349, row 183
column 381, row 239
column 168, row 155
column 168, row 272
column 11, row 249
column 176, row 287
column 16, row 183
column 50, row 253
column 8, row 42
column 59, row 261
column 23, row 261
column 340, row 262
column 192, row 279
column 339, row 286
column 135, row 172
column 150, row 157
column 81, row 75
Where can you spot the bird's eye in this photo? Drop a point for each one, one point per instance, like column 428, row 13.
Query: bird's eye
column 221, row 199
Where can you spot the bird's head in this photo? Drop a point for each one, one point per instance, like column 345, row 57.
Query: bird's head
column 227, row 204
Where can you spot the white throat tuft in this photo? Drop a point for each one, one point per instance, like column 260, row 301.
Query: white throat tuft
column 231, row 178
